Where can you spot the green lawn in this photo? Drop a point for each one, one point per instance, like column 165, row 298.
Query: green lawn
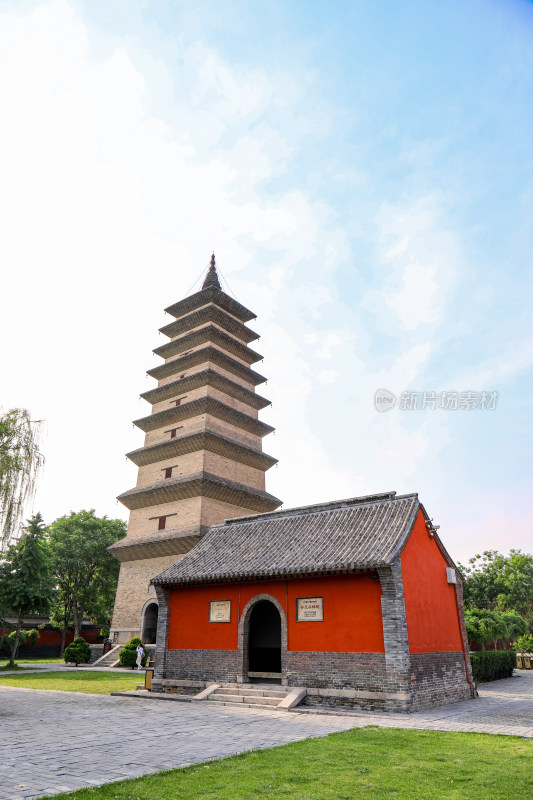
column 76, row 681
column 364, row 763
column 4, row 661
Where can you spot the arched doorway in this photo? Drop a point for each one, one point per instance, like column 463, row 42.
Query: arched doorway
column 264, row 638
column 149, row 629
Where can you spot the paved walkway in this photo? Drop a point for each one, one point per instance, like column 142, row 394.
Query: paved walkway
column 58, row 741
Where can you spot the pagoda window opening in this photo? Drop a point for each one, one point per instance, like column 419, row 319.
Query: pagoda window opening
column 178, row 402
column 172, row 431
column 168, row 470
column 162, row 521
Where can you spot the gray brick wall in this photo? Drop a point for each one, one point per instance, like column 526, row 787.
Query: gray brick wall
column 161, row 651
column 437, row 679
column 394, row 627
column 337, row 670
column 203, row 665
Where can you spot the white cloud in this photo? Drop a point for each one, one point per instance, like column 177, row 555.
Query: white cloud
column 420, row 259
column 110, row 211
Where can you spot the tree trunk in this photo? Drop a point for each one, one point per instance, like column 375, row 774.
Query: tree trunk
column 63, row 638
column 16, row 644
column 76, row 618
column 79, row 620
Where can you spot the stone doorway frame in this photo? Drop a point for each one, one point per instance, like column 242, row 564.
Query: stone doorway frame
column 155, row 602
column 244, row 632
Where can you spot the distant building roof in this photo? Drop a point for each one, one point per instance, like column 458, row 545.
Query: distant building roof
column 357, row 533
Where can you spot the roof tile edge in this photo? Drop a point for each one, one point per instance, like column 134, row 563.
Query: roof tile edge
column 370, row 499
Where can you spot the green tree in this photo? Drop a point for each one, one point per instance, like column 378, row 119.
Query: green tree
column 85, row 573
column 486, row 626
column 20, row 461
column 483, row 625
column 61, row 609
column 25, row 577
column 515, row 623
column 497, row 582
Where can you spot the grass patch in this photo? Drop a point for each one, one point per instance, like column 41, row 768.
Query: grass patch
column 363, row 763
column 4, row 662
column 75, row 681
column 15, row 666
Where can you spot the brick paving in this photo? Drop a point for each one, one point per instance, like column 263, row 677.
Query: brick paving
column 58, row 741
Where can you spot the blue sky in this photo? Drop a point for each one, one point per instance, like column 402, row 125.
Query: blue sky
column 363, row 172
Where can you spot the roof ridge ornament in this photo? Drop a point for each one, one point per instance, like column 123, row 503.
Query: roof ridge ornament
column 211, row 279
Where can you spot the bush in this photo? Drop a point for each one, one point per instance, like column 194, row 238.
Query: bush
column 128, row 654
column 79, row 652
column 32, row 636
column 25, row 637
column 492, row 665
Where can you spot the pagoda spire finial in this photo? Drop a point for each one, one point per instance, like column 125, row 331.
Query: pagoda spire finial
column 211, row 279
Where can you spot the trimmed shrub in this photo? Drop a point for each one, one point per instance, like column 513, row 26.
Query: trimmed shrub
column 79, row 652
column 128, row 654
column 492, row 665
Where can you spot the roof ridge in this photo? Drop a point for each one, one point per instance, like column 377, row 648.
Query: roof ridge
column 319, row 508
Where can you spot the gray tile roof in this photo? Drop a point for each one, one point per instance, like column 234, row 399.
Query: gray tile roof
column 358, row 533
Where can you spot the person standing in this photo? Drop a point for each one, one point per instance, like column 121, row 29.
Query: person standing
column 140, row 654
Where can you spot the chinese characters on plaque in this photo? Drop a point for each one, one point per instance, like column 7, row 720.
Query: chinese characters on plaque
column 220, row 611
column 309, row 609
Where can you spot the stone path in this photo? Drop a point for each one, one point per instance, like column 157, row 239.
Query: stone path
column 59, row 741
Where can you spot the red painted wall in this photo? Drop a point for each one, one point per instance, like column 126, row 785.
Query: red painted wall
column 430, row 606
column 189, row 627
column 52, row 637
column 352, row 614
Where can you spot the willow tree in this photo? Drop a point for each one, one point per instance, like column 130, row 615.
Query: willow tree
column 20, row 461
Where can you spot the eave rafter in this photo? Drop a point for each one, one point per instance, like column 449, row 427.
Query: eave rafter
column 206, row 377
column 204, row 405
column 210, row 295
column 153, row 545
column 202, row 484
column 204, row 440
column 203, row 355
column 209, row 333
column 209, row 313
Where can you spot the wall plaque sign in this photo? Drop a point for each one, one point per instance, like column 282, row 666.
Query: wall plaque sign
column 220, row 611
column 309, row 609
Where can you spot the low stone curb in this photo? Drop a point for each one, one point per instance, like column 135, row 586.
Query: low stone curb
column 144, row 694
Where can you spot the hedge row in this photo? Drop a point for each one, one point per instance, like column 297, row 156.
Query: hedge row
column 491, row 665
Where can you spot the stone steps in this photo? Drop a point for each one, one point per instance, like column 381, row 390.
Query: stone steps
column 248, row 699
column 250, row 696
column 252, row 692
column 110, row 659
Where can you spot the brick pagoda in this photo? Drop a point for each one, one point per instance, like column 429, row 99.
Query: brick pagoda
column 202, row 460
